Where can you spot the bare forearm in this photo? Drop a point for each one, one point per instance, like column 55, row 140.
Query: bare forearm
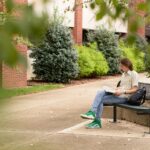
column 131, row 91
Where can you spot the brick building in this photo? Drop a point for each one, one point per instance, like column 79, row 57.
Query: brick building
column 78, row 21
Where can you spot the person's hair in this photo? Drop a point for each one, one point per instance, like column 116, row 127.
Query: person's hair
column 126, row 62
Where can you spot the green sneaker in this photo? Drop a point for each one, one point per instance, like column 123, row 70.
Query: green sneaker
column 94, row 125
column 89, row 115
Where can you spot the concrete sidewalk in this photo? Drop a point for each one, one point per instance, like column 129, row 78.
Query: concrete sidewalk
column 43, row 121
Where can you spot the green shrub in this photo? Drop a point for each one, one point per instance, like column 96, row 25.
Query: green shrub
column 55, row 59
column 86, row 64
column 136, row 56
column 91, row 36
column 101, row 65
column 147, row 62
column 140, row 42
column 107, row 43
column 91, row 62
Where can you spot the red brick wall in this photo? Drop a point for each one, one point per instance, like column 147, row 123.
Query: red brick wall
column 15, row 77
column 141, row 30
column 133, row 5
column 1, row 10
column 77, row 30
column 1, row 5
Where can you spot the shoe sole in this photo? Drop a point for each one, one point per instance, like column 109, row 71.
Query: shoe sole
column 93, row 128
column 86, row 117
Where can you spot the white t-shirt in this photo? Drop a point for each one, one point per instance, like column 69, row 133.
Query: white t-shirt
column 129, row 80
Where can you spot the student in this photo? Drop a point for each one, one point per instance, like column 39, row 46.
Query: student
column 128, row 86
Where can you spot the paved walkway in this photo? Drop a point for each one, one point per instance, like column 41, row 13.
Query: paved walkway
column 50, row 121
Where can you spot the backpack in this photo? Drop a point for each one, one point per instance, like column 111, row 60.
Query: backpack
column 138, row 98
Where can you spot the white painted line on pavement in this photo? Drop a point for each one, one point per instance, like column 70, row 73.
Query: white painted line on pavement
column 113, row 133
column 25, row 131
column 75, row 127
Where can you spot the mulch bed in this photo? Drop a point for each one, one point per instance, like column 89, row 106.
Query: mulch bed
column 73, row 82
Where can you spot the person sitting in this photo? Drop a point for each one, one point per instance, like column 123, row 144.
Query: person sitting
column 121, row 94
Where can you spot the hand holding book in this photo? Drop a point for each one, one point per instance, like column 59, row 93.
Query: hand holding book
column 117, row 91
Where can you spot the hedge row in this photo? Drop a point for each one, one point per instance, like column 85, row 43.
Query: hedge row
column 135, row 55
column 56, row 59
column 91, row 61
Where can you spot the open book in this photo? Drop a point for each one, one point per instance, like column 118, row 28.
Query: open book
column 109, row 89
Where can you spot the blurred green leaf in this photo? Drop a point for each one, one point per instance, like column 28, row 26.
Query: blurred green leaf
column 9, row 5
column 102, row 10
column 24, row 23
column 92, row 5
column 131, row 38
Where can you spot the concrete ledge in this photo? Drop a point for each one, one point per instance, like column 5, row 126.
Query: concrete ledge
column 126, row 114
column 130, row 115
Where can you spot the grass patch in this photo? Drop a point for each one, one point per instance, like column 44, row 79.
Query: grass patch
column 7, row 93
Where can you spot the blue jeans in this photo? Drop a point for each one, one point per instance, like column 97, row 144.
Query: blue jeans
column 103, row 97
